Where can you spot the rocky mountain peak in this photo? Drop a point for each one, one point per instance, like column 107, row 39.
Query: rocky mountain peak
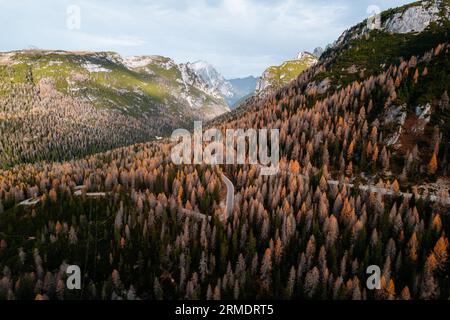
column 231, row 90
column 411, row 18
column 215, row 81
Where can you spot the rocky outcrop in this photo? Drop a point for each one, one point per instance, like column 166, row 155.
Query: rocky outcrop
column 412, row 18
column 277, row 76
column 215, row 82
column 318, row 52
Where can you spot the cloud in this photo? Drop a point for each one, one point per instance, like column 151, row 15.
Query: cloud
column 242, row 31
column 240, row 37
column 99, row 41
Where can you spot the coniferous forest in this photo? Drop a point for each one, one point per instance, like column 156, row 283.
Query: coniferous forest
column 362, row 181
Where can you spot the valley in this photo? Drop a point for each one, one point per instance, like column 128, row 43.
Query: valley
column 87, row 177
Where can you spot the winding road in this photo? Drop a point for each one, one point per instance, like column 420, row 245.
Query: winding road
column 381, row 190
column 229, row 201
column 229, row 204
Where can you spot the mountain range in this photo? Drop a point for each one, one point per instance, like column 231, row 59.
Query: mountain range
column 92, row 96
column 362, row 181
column 232, row 90
column 103, row 92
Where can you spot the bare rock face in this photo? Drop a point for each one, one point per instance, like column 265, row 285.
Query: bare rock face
column 414, row 19
column 264, row 81
column 230, row 90
column 215, row 81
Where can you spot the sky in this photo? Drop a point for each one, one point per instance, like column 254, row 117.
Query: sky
column 238, row 37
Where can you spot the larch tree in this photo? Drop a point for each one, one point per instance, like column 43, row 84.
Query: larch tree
column 429, row 287
column 432, row 165
column 266, row 271
column 441, row 253
column 405, row 294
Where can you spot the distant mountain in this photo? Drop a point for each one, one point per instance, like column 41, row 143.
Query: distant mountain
column 94, row 101
column 216, row 83
column 318, row 52
column 182, row 82
column 232, row 90
column 363, row 180
column 277, row 76
column 242, row 87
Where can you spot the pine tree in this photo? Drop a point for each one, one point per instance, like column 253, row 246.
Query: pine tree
column 291, row 283
column 157, row 290
column 444, row 101
column 236, row 290
column 209, row 294
column 391, row 290
column 385, row 159
column 412, row 247
column 356, row 290
column 266, row 271
column 217, row 291
column 53, row 195
column 311, row 282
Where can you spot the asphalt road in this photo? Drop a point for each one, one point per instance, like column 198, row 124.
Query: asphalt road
column 383, row 191
column 229, row 205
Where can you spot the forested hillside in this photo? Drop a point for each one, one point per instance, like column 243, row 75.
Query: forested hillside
column 363, row 180
column 57, row 105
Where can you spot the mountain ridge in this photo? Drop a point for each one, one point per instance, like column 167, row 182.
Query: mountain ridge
column 275, row 77
column 362, row 182
column 232, row 90
column 154, row 93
